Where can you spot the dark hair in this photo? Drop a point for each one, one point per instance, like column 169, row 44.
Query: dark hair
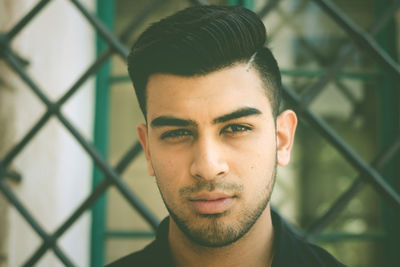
column 200, row 40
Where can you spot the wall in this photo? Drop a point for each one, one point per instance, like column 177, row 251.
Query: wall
column 56, row 173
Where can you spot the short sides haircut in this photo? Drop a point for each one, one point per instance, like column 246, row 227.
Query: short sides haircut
column 202, row 39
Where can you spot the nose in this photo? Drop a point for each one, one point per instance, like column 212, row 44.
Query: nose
column 208, row 161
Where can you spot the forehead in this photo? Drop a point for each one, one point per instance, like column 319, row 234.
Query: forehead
column 216, row 93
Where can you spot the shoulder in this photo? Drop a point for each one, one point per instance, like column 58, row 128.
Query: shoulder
column 149, row 256
column 291, row 250
column 157, row 253
column 133, row 259
column 307, row 254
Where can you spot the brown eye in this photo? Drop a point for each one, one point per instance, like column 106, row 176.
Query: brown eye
column 236, row 128
column 178, row 133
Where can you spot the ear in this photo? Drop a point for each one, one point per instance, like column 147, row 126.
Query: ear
column 143, row 139
column 285, row 128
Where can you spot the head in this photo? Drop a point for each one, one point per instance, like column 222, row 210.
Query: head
column 199, row 40
column 209, row 90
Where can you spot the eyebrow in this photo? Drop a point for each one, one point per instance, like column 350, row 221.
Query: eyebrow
column 173, row 121
column 242, row 112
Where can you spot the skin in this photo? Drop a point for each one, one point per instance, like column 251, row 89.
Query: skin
column 213, row 145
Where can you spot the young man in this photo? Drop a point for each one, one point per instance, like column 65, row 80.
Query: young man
column 210, row 91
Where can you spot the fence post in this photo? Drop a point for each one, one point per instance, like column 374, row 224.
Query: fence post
column 105, row 11
column 389, row 129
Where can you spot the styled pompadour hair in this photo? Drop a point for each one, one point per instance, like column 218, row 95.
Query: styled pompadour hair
column 202, row 39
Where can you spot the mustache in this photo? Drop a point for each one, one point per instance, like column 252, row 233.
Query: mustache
column 210, row 186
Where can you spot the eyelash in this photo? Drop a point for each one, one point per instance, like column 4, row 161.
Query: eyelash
column 178, row 133
column 181, row 133
column 237, row 128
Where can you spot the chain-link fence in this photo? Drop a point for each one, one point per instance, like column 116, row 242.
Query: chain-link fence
column 300, row 98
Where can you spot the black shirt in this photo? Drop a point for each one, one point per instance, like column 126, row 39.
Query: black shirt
column 290, row 250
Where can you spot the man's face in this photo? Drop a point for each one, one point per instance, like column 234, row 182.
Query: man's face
column 211, row 142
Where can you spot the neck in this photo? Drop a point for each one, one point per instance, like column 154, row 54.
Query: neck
column 255, row 248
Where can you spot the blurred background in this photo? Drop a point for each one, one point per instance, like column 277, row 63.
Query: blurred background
column 74, row 189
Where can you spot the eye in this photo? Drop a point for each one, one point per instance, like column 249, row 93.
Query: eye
column 236, row 129
column 175, row 134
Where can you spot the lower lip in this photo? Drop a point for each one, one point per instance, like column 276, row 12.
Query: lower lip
column 212, row 206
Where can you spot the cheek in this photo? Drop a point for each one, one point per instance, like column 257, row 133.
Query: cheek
column 258, row 164
column 163, row 160
column 170, row 171
column 258, row 153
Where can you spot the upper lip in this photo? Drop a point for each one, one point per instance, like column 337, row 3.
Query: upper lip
column 209, row 196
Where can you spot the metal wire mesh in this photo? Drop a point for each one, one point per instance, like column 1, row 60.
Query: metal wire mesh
column 368, row 172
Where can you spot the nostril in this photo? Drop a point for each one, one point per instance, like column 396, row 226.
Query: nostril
column 221, row 173
column 208, row 172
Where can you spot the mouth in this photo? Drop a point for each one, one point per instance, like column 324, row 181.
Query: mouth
column 212, row 203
